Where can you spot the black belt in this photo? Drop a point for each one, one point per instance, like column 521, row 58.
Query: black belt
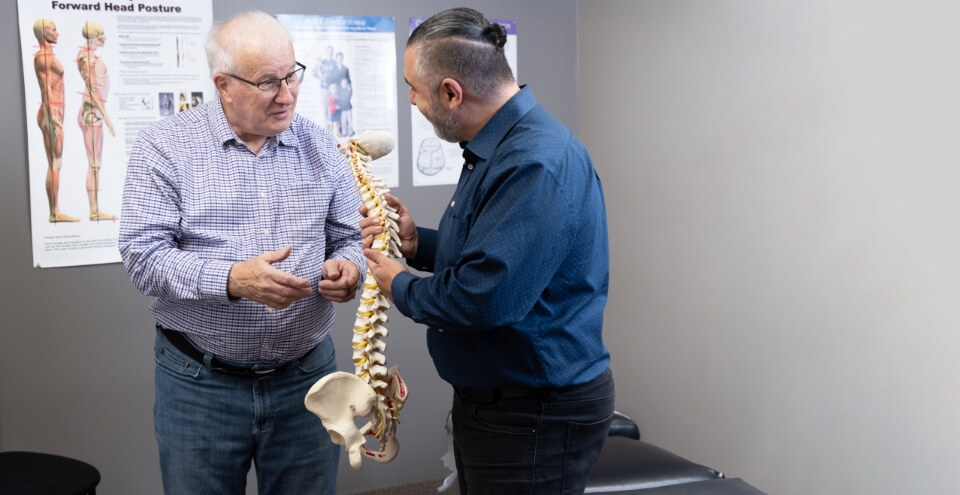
column 483, row 395
column 183, row 345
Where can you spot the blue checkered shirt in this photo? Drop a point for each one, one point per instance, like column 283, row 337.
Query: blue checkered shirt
column 197, row 200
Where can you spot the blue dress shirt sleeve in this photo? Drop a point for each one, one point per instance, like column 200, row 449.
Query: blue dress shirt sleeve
column 508, row 242
column 426, row 250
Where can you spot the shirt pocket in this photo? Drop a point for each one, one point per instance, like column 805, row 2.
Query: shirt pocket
column 217, row 226
column 452, row 233
column 304, row 209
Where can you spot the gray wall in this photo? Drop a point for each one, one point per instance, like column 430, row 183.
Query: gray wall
column 781, row 182
column 76, row 364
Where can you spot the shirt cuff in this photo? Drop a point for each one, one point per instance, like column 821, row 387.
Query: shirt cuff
column 213, row 281
column 400, row 288
column 426, row 250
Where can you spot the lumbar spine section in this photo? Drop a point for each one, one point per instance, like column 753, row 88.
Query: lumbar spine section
column 373, row 390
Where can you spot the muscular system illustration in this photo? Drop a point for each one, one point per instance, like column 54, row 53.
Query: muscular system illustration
column 373, row 390
column 93, row 114
column 50, row 117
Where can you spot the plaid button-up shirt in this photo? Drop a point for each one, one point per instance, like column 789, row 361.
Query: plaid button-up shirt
column 197, row 200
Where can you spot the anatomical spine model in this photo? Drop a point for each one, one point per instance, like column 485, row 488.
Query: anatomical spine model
column 373, row 390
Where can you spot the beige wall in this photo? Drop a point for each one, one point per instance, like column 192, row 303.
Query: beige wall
column 781, row 182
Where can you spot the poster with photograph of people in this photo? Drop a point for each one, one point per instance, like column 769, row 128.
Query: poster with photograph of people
column 350, row 86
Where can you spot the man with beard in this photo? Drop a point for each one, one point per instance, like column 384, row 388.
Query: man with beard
column 520, row 261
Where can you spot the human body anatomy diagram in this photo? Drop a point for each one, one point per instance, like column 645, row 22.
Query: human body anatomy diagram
column 93, row 114
column 50, row 117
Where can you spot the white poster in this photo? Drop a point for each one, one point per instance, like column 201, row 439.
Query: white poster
column 351, row 81
column 435, row 161
column 95, row 74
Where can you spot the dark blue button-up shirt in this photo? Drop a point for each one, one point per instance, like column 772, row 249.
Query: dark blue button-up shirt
column 520, row 260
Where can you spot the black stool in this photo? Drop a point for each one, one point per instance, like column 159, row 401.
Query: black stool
column 31, row 473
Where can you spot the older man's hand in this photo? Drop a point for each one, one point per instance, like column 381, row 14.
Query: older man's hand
column 257, row 280
column 340, row 280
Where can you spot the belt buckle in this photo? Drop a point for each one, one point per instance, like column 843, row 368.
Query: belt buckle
column 261, row 374
column 243, row 372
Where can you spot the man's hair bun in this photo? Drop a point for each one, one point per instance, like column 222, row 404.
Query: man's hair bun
column 496, row 34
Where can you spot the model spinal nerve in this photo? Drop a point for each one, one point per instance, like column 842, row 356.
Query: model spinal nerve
column 373, row 391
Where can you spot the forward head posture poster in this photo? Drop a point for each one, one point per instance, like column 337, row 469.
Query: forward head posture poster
column 95, row 74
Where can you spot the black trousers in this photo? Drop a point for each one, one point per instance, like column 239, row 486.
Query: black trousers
column 544, row 444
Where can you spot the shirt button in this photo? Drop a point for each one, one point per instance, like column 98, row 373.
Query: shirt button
column 263, row 194
column 266, row 347
column 452, row 203
column 269, row 310
column 266, row 231
column 469, row 166
column 440, row 330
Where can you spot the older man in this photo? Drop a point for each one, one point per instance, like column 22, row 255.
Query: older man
column 232, row 212
column 520, row 270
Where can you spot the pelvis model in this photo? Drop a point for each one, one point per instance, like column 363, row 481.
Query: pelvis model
column 373, row 390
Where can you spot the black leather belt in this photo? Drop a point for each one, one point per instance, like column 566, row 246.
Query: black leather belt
column 482, row 395
column 183, row 345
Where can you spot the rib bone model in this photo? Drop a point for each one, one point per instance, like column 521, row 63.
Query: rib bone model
column 373, row 390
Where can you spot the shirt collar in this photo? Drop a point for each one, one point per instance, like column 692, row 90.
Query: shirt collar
column 493, row 132
column 225, row 133
column 218, row 123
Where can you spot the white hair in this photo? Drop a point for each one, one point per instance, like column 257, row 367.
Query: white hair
column 252, row 31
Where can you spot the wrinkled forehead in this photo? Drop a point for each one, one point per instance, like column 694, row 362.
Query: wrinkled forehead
column 273, row 57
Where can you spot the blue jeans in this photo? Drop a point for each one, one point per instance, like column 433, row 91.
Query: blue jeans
column 210, row 426
column 528, row 446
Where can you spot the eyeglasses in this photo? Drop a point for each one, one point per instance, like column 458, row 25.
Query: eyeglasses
column 292, row 79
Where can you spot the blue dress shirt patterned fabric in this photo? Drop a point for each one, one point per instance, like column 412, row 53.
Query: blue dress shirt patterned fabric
column 197, row 200
column 520, row 260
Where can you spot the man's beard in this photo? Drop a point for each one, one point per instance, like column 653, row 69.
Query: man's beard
column 445, row 125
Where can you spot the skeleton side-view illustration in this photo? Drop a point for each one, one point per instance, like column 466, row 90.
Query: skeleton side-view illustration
column 93, row 113
column 373, row 390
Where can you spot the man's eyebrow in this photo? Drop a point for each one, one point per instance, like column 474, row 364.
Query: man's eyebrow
column 292, row 70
